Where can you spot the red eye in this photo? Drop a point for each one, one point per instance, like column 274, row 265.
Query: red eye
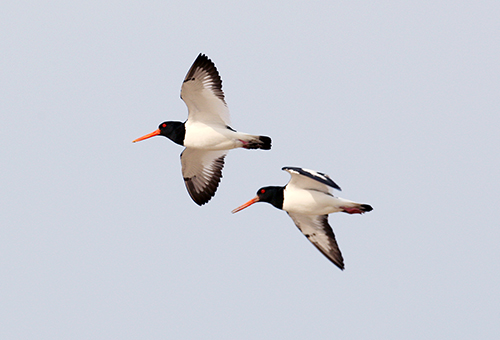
column 262, row 191
column 163, row 125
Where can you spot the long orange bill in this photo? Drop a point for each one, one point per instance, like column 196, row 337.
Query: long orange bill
column 249, row 203
column 149, row 135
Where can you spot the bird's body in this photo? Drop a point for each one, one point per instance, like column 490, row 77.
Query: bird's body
column 307, row 198
column 313, row 202
column 206, row 134
column 200, row 135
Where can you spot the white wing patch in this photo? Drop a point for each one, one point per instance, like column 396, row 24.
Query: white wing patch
column 318, row 231
column 202, row 171
column 310, row 179
column 202, row 93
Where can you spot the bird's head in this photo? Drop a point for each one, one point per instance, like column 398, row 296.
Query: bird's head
column 167, row 129
column 271, row 194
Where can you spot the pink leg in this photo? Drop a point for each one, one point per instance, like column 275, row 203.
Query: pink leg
column 352, row 210
column 245, row 144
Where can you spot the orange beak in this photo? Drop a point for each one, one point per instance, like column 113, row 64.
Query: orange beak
column 249, row 203
column 149, row 135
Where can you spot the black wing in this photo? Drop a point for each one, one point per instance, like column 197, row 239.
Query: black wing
column 318, row 231
column 202, row 171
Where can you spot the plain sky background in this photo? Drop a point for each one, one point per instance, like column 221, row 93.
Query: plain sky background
column 398, row 102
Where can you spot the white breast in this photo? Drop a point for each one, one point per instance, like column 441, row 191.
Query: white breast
column 208, row 137
column 311, row 202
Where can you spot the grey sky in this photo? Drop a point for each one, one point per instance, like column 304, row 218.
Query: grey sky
column 399, row 103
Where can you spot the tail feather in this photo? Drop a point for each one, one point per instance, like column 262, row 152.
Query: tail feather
column 357, row 208
column 258, row 142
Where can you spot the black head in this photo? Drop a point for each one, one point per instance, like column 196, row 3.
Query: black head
column 175, row 131
column 166, row 128
column 273, row 195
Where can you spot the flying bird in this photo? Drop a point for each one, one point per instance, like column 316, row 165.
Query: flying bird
column 308, row 199
column 206, row 134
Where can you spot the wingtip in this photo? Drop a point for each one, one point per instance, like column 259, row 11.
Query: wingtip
column 201, row 55
column 339, row 265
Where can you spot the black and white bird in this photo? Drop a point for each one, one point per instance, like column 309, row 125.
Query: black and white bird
column 206, row 134
column 308, row 199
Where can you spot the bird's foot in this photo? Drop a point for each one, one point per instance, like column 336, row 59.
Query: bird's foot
column 352, row 210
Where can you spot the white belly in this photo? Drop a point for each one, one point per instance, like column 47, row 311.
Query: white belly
column 202, row 136
column 312, row 202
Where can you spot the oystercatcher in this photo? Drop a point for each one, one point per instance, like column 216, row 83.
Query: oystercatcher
column 308, row 200
column 206, row 134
